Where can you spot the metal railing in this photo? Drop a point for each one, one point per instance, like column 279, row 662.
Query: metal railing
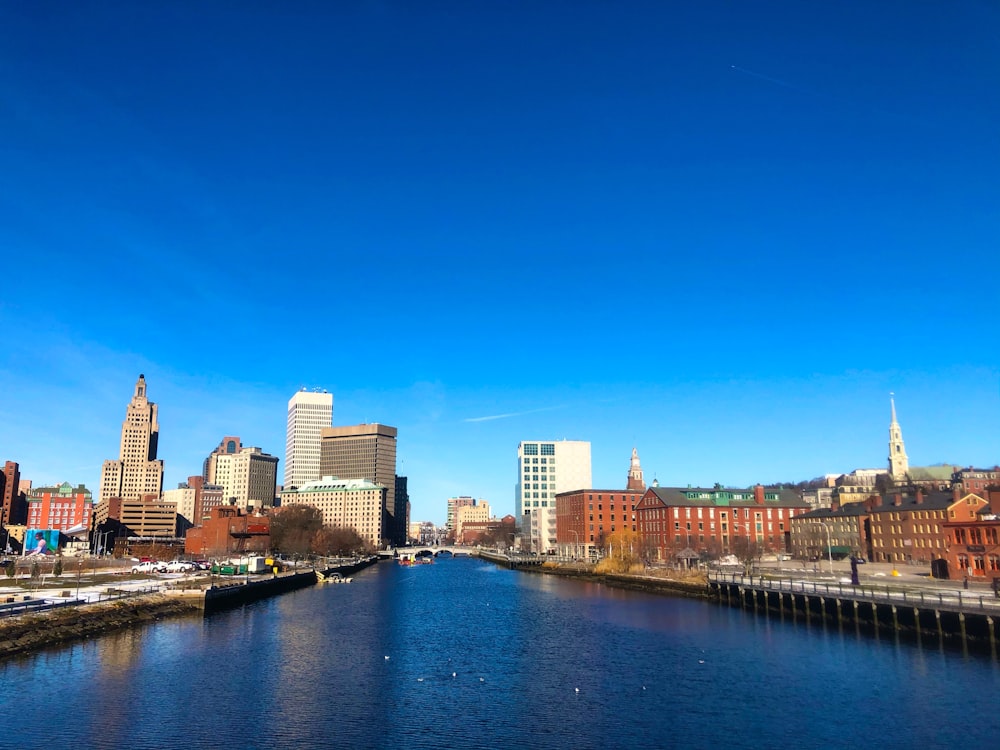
column 957, row 600
column 29, row 604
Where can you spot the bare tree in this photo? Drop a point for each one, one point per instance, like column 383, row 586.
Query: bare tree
column 293, row 529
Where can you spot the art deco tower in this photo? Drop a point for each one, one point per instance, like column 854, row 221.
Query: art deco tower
column 137, row 472
column 899, row 465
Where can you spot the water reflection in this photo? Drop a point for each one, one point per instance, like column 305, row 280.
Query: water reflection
column 484, row 657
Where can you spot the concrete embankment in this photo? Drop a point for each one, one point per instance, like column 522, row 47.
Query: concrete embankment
column 35, row 632
column 242, row 592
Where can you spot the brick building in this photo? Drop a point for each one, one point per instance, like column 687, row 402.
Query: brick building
column 501, row 528
column 978, row 481
column 585, row 518
column 716, row 521
column 972, row 533
column 907, row 525
column 227, row 531
column 63, row 507
column 836, row 531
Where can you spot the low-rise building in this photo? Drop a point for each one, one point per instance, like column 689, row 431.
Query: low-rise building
column 586, row 518
column 716, row 521
column 148, row 517
column 501, row 530
column 907, row 526
column 972, row 533
column 832, row 532
column 228, row 531
column 979, row 481
column 478, row 513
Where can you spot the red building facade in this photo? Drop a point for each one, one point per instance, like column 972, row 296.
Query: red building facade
column 585, row 518
column 63, row 507
column 226, row 532
column 716, row 521
column 972, row 533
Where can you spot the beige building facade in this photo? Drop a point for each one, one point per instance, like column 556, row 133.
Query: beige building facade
column 365, row 451
column 248, row 478
column 478, row 513
column 344, row 503
column 137, row 472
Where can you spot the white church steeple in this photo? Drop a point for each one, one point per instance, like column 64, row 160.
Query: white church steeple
column 899, row 465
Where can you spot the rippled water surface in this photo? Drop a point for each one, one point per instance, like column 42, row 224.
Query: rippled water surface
column 463, row 654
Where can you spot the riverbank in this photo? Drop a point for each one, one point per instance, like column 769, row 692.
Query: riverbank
column 34, row 632
column 690, row 584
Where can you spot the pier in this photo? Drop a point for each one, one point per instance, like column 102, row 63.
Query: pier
column 954, row 615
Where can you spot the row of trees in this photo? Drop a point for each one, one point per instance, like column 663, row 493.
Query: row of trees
column 299, row 530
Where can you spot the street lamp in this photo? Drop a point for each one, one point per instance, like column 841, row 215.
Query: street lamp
column 576, row 546
column 829, row 546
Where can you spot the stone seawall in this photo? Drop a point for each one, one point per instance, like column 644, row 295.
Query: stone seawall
column 34, row 632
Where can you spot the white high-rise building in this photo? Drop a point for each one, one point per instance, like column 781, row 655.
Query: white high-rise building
column 543, row 470
column 308, row 413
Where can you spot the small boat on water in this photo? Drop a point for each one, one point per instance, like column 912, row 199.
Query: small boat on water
column 406, row 560
column 332, row 578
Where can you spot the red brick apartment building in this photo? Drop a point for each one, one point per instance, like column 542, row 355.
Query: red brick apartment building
column 585, row 517
column 972, row 534
column 908, row 525
column 673, row 519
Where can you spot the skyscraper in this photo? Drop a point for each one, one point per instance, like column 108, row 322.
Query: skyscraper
column 308, row 413
column 899, row 464
column 543, row 470
column 366, row 451
column 137, row 472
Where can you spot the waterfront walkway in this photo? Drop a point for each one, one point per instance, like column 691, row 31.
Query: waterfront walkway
column 939, row 595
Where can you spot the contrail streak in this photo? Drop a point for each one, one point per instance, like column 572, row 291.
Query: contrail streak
column 769, row 79
column 511, row 414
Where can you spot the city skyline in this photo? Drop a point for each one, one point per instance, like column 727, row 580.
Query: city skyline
column 721, row 235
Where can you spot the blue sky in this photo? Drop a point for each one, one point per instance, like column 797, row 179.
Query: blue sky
column 721, row 232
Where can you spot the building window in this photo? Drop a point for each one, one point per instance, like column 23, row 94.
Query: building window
column 548, row 449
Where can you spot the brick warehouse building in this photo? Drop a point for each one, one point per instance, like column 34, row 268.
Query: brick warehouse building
column 227, row 531
column 672, row 519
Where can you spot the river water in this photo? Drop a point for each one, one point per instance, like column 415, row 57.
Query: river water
column 463, row 654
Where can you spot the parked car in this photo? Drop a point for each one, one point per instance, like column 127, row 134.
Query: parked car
column 178, row 566
column 150, row 566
